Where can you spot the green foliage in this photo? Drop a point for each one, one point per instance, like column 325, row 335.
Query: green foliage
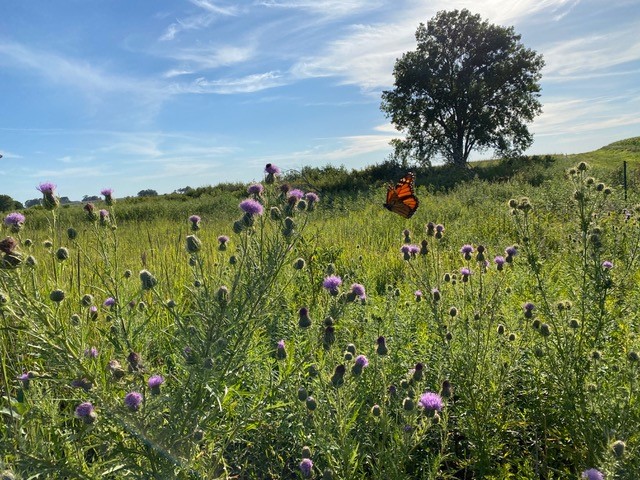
column 543, row 392
column 469, row 85
column 8, row 204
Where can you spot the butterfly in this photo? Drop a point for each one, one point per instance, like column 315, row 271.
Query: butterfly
column 401, row 198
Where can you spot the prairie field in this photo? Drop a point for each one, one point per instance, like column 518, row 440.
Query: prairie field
column 228, row 334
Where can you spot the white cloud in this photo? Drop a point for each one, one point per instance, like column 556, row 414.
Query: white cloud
column 212, row 57
column 330, row 8
column 200, row 20
column 247, row 84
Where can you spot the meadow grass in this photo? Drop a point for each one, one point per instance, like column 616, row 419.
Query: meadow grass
column 492, row 336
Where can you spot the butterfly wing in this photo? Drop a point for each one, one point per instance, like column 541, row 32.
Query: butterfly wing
column 401, row 198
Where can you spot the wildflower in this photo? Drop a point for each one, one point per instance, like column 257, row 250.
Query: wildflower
column 295, row 193
column 14, row 221
column 465, row 272
column 382, row 349
column 109, row 302
column 135, row 361
column 418, row 295
column 407, row 235
column 435, row 293
column 251, row 207
column 312, row 199
column 358, row 291
column 222, row 241
column 255, row 189
column 195, row 222
column 132, row 401
column 431, row 402
column 86, row 412
column 91, row 212
column 8, row 245
column 104, row 216
column 306, row 466
column 272, row 171
column 331, row 283
column 25, row 378
column 466, row 250
column 49, row 199
column 361, row 362
column 91, row 352
column 607, row 265
column 499, row 261
column 592, row 474
column 414, row 250
column 154, row 383
column 281, row 353
column 108, row 196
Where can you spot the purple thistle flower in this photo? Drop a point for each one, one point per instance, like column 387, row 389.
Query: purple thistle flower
column 466, row 249
column 255, row 189
column 132, row 400
column 439, row 228
column 465, row 272
column 592, row 474
column 93, row 310
column 295, row 193
column 430, row 401
column 91, row 352
column 331, row 283
column 528, row 307
column 222, row 239
column 499, row 260
column 25, row 378
column 14, row 220
column 418, row 294
column 281, row 353
column 511, row 251
column 194, row 219
column 607, row 265
column 271, row 169
column 362, row 361
column 104, row 214
column 47, row 188
column 251, row 207
column 359, row 291
column 312, row 197
column 109, row 302
column 306, row 465
column 107, row 192
column 86, row 412
column 406, row 249
column 414, row 249
column 155, row 381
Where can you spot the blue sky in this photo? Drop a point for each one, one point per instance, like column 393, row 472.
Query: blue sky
column 133, row 95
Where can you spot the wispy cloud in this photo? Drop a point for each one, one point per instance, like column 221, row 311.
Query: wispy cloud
column 332, row 8
column 199, row 58
column 247, row 84
column 199, row 20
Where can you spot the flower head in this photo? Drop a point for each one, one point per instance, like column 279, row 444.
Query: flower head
column 466, row 249
column 295, row 193
column 465, row 272
column 358, row 290
column 255, row 189
column 607, row 265
column 91, row 352
column 132, row 400
column 499, row 260
column 306, row 466
column 14, row 220
column 312, row 197
column 271, row 169
column 511, row 251
column 109, row 302
column 251, row 207
column 86, row 412
column 281, row 353
column 430, row 401
column 362, row 361
column 331, row 283
column 154, row 383
column 47, row 188
column 106, row 192
column 592, row 474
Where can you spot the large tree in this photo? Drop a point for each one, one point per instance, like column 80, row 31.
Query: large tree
column 469, row 85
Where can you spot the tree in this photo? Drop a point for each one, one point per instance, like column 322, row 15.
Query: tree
column 147, row 193
column 7, row 203
column 469, row 85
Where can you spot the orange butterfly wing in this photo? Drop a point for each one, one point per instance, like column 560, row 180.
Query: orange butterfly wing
column 401, row 199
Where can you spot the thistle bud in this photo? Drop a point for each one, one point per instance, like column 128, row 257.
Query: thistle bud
column 193, row 244
column 147, row 279
column 62, row 254
column 57, row 296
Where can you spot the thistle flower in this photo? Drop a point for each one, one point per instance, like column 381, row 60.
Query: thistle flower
column 592, row 474
column 222, row 242
column 435, row 293
column 312, row 198
column 255, row 189
column 109, row 302
column 466, row 250
column 281, row 353
column 15, row 221
column 108, row 198
column 195, row 222
column 49, row 199
column 104, row 216
column 251, row 207
column 607, row 265
column 306, row 466
column 91, row 352
column 499, row 261
column 8, row 245
column 331, row 283
column 528, row 309
column 465, row 272
column 295, row 193
column 431, row 402
column 358, row 290
column 91, row 212
column 132, row 401
column 361, row 362
column 418, row 295
column 272, row 171
column 154, row 383
column 86, row 412
column 25, row 378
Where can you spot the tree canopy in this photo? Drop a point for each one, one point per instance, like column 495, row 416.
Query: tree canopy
column 469, row 85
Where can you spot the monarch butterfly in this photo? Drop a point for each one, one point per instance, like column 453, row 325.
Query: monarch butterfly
column 401, row 198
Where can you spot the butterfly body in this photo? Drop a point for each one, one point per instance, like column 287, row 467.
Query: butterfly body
column 401, row 198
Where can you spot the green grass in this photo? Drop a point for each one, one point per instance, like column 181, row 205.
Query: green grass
column 543, row 394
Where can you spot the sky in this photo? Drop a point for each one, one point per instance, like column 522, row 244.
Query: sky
column 135, row 95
